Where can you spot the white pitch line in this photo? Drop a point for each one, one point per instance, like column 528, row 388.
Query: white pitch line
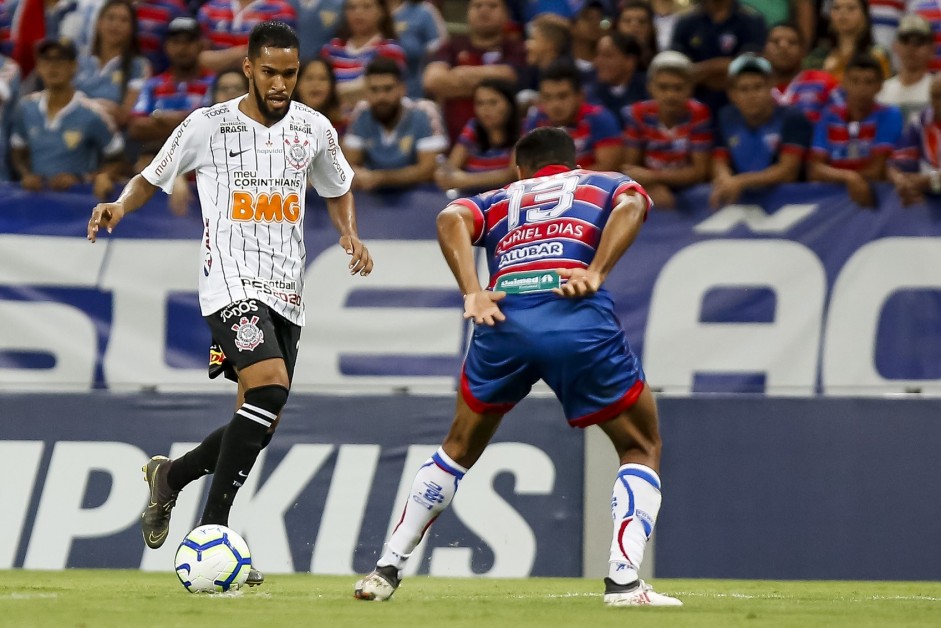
column 29, row 596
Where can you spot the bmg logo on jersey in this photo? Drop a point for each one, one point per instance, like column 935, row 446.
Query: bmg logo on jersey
column 263, row 207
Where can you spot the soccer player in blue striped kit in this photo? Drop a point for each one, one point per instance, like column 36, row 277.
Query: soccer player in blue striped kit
column 551, row 239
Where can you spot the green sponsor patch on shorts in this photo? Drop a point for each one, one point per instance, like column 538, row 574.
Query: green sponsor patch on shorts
column 523, row 283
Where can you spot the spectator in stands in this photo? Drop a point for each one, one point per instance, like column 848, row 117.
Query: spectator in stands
column 227, row 85
column 317, row 88
column 618, row 81
column 153, row 20
column 60, row 138
column 366, row 33
column 914, row 46
column 809, row 91
column 853, row 142
column 759, row 143
column 668, row 138
column 588, row 25
column 392, row 141
column 849, row 34
column 711, row 35
column 548, row 41
column 466, row 60
column 227, row 23
column 597, row 135
column 803, row 13
column 915, row 169
column 481, row 158
column 169, row 97
column 420, row 30
column 929, row 10
column 636, row 18
column 318, row 22
column 665, row 13
column 114, row 72
column 9, row 89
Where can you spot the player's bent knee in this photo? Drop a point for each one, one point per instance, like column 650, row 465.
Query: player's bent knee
column 270, row 399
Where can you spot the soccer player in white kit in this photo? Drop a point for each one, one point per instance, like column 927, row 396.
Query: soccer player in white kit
column 253, row 157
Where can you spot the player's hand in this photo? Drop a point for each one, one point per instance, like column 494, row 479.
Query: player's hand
column 360, row 261
column 106, row 215
column 482, row 307
column 581, row 282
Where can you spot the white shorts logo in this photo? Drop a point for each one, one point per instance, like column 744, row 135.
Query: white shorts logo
column 247, row 334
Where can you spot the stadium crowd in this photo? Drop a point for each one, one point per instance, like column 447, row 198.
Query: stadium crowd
column 744, row 94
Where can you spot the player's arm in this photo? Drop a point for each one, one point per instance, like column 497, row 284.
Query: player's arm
column 619, row 232
column 137, row 192
column 455, row 237
column 343, row 214
column 225, row 59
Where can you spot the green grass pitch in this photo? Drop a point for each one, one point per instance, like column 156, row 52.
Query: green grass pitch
column 98, row 598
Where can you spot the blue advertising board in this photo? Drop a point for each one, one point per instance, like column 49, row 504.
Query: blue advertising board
column 795, row 292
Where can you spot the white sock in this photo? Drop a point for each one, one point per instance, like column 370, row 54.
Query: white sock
column 635, row 503
column 432, row 491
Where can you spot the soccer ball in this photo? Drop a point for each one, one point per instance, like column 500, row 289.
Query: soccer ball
column 212, row 559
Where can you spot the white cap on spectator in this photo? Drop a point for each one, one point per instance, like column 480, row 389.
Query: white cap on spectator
column 671, row 60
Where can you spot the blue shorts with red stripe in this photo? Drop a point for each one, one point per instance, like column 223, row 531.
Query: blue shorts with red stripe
column 576, row 346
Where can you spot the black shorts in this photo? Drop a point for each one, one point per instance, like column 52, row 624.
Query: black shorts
column 246, row 332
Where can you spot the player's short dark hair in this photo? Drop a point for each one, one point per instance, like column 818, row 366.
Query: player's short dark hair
column 383, row 65
column 545, row 146
column 563, row 70
column 864, row 61
column 271, row 34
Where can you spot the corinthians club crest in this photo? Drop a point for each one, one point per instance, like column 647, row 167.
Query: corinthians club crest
column 296, row 153
column 247, row 334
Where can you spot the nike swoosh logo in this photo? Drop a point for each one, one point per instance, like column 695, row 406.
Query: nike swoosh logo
column 232, row 153
column 243, row 475
column 154, row 538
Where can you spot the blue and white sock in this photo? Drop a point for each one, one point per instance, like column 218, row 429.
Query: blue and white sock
column 432, row 491
column 635, row 503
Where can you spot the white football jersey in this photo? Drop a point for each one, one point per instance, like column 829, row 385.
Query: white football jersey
column 251, row 181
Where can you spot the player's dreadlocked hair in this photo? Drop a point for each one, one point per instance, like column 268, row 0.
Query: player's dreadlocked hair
column 545, row 146
column 271, row 34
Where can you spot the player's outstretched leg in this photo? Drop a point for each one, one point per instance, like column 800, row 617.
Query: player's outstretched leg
column 155, row 520
column 432, row 491
column 635, row 503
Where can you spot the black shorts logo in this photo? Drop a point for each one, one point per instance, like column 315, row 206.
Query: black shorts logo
column 238, row 309
column 247, row 334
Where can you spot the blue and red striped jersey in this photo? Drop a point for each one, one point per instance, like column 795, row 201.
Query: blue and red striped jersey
column 919, row 148
column 553, row 220
column 479, row 160
column 350, row 63
column 810, row 92
column 931, row 11
column 851, row 144
column 665, row 148
column 153, row 20
column 227, row 28
column 593, row 127
column 163, row 92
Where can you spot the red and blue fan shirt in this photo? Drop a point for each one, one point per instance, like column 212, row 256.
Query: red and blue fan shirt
column 666, row 148
column 165, row 93
column 227, row 26
column 593, row 127
column 552, row 220
column 919, row 148
column 478, row 159
column 350, row 63
column 810, row 92
column 851, row 144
